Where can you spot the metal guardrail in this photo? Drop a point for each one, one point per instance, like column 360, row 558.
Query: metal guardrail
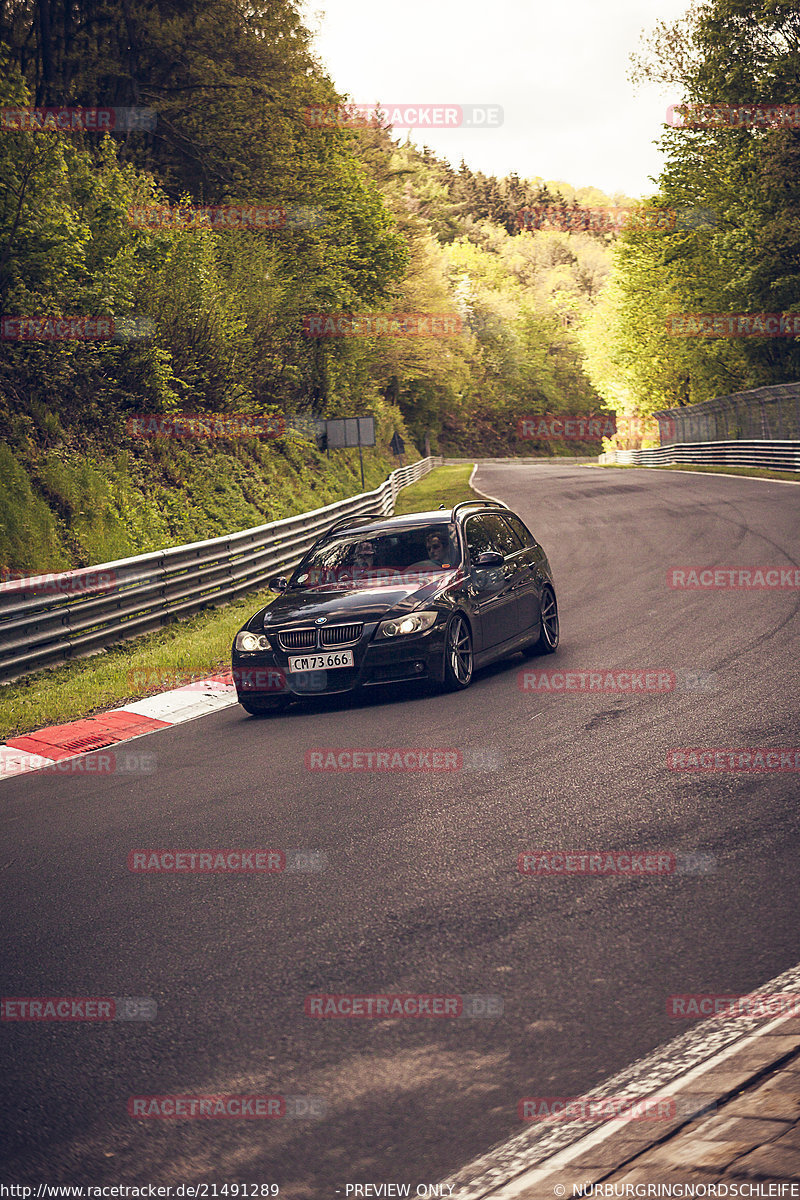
column 521, row 460
column 780, row 456
column 48, row 619
column 761, row 414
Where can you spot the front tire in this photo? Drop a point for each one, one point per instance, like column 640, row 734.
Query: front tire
column 458, row 656
column 547, row 641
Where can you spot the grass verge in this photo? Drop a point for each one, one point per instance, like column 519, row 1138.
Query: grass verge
column 192, row 648
column 189, row 649
column 443, row 485
column 705, row 469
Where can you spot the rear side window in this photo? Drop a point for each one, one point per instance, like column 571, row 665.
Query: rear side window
column 505, row 538
column 527, row 538
column 490, row 532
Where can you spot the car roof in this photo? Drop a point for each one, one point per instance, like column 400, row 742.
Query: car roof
column 435, row 516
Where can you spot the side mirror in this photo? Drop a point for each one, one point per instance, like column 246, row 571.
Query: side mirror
column 489, row 559
column 279, row 584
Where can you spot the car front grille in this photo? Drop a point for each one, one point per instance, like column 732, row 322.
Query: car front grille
column 340, row 635
column 297, row 639
column 329, row 635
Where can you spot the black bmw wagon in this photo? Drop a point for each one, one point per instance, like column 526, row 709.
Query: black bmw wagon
column 429, row 596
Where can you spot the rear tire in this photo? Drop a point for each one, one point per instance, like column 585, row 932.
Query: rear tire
column 458, row 656
column 547, row 641
column 264, row 708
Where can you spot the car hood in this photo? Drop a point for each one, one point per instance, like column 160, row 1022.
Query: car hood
column 353, row 602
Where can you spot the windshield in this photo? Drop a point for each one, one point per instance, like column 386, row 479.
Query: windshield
column 402, row 556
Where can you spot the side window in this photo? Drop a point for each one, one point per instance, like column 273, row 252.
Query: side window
column 489, row 532
column 502, row 537
column 477, row 537
column 524, row 535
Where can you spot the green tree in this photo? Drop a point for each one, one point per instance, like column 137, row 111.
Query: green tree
column 745, row 255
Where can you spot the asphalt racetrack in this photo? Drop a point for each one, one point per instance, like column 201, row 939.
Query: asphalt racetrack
column 420, row 891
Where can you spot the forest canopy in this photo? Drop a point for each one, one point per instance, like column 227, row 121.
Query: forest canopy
column 563, row 307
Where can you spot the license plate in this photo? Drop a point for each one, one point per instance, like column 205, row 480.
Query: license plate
column 322, row 662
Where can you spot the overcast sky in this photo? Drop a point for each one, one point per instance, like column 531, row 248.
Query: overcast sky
column 558, row 68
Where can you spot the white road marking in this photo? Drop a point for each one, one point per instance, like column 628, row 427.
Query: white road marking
column 19, row 762
column 493, row 499
column 682, row 471
column 536, row 1152
column 181, row 704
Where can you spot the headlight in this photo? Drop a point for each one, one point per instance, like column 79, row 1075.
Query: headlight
column 416, row 622
column 251, row 641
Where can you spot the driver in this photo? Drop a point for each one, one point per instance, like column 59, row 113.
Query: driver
column 437, row 544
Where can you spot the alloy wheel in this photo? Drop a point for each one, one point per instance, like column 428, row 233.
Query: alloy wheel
column 459, row 651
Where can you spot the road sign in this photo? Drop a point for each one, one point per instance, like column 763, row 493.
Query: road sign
column 350, row 431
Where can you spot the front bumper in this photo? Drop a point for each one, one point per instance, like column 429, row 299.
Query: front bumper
column 266, row 674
